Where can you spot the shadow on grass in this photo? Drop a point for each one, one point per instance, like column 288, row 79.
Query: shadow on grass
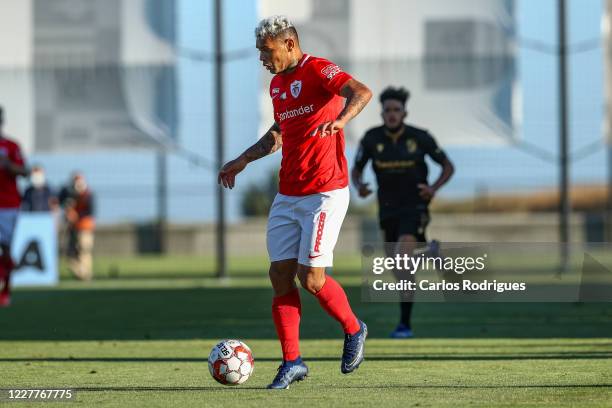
column 154, row 275
column 402, row 357
column 377, row 386
column 216, row 313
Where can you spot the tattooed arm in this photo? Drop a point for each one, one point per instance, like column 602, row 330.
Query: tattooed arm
column 268, row 144
column 357, row 97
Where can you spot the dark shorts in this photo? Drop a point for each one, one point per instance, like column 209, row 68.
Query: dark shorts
column 409, row 222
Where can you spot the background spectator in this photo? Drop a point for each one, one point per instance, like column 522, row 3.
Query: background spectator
column 38, row 197
column 78, row 202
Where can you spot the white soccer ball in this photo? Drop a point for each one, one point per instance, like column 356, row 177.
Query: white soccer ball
column 231, row 362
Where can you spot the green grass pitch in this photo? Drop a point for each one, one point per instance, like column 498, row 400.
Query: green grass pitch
column 140, row 334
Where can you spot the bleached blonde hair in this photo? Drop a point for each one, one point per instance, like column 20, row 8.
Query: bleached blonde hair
column 272, row 26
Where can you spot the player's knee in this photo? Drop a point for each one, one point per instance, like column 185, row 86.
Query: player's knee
column 276, row 277
column 5, row 254
column 312, row 281
column 406, row 244
column 274, row 274
column 282, row 276
column 282, row 270
column 407, row 238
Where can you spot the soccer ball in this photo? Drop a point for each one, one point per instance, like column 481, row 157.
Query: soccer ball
column 230, row 362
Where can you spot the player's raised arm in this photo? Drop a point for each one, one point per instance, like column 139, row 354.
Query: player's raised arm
column 357, row 97
column 268, row 144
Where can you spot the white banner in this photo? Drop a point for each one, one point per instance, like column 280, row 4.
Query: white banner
column 35, row 250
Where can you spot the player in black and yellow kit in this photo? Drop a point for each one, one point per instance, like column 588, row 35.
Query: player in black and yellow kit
column 398, row 155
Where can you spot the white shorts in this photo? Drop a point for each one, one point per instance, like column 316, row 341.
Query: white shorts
column 306, row 228
column 8, row 220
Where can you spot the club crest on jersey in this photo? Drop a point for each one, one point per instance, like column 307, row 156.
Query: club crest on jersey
column 380, row 147
column 411, row 145
column 296, row 88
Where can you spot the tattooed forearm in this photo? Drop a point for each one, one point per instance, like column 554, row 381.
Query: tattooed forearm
column 268, row 144
column 357, row 97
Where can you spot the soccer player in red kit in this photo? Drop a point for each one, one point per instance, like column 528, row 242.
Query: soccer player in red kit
column 11, row 166
column 313, row 101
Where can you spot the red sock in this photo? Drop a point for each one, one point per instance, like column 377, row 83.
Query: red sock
column 5, row 274
column 333, row 299
column 286, row 313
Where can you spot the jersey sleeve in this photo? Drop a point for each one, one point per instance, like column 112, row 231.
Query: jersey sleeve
column 274, row 90
column 431, row 148
column 363, row 155
column 331, row 75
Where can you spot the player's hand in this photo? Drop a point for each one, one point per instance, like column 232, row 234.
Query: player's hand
column 364, row 190
column 426, row 192
column 328, row 128
column 227, row 175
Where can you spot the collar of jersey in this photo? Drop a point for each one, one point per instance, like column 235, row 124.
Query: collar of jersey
column 299, row 65
column 395, row 136
column 301, row 62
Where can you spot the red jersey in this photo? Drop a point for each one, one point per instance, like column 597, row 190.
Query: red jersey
column 9, row 195
column 303, row 100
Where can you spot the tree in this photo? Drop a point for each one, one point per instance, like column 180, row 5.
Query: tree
column 258, row 198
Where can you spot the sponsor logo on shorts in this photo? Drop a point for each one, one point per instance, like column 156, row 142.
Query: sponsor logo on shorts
column 320, row 231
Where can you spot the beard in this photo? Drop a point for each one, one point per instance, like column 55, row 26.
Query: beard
column 394, row 129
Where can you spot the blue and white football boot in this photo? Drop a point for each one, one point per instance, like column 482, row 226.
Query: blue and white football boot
column 289, row 372
column 354, row 345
